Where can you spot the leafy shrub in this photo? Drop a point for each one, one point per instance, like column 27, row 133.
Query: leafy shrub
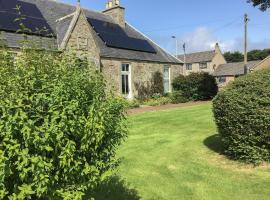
column 130, row 103
column 157, row 83
column 151, row 88
column 196, row 86
column 178, row 97
column 58, row 129
column 157, row 102
column 242, row 114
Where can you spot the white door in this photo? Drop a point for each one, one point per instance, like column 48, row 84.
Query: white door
column 166, row 79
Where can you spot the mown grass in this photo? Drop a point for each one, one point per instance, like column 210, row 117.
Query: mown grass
column 173, row 154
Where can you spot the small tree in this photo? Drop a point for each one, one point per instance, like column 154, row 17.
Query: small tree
column 58, row 129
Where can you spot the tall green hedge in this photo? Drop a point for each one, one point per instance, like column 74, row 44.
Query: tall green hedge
column 242, row 114
column 58, row 129
column 196, row 86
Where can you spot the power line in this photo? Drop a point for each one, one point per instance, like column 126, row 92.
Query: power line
column 186, row 26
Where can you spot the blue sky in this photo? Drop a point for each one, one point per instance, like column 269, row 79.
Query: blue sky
column 198, row 23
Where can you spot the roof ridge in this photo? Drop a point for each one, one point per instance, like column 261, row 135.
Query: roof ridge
column 71, row 5
column 197, row 52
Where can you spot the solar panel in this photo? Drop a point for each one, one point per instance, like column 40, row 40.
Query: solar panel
column 114, row 36
column 31, row 17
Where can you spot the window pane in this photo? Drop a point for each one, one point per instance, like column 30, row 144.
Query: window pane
column 123, row 68
column 127, row 85
column 123, row 85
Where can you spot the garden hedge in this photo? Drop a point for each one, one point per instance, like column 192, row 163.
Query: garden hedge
column 58, row 129
column 196, row 86
column 242, row 114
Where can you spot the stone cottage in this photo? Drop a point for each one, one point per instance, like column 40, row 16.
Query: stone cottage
column 126, row 57
column 228, row 72
column 206, row 61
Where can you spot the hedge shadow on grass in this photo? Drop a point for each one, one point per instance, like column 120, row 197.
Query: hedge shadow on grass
column 115, row 188
column 214, row 143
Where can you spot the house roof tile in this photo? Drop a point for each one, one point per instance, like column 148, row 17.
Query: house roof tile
column 234, row 69
column 52, row 11
column 197, row 57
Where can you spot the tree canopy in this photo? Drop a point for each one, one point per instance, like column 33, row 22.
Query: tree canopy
column 252, row 55
column 263, row 4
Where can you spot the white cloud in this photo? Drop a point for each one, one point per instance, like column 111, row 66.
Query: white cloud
column 203, row 39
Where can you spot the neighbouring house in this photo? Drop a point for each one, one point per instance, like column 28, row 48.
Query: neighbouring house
column 206, row 61
column 264, row 64
column 126, row 57
column 226, row 73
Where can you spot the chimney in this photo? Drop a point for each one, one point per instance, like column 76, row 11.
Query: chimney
column 116, row 11
column 217, row 49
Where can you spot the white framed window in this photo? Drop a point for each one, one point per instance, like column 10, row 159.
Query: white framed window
column 126, row 89
column 188, row 66
column 203, row 65
column 167, row 79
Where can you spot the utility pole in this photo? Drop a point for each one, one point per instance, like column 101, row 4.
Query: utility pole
column 246, row 19
column 184, row 48
column 176, row 46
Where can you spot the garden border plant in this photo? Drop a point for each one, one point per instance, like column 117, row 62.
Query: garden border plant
column 58, row 129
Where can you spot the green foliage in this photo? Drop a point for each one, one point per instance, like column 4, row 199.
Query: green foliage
column 252, row 55
column 58, row 129
column 263, row 4
column 233, row 56
column 153, row 87
column 158, row 101
column 157, row 83
column 196, row 86
column 242, row 114
column 129, row 103
column 178, row 97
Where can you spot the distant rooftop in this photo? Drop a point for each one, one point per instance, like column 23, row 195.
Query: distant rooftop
column 234, row 69
column 197, row 57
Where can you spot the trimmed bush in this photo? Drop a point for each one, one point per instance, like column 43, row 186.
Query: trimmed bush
column 58, row 129
column 196, row 86
column 178, row 97
column 242, row 114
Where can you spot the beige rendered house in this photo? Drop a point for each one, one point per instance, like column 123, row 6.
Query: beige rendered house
column 264, row 64
column 127, row 58
column 206, row 61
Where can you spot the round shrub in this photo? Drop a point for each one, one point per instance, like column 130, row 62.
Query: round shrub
column 178, row 97
column 196, row 86
column 58, row 129
column 242, row 114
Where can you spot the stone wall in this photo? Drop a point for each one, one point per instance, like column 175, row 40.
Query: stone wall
column 117, row 14
column 82, row 40
column 141, row 73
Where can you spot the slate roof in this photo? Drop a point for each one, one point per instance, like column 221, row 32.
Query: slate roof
column 234, row 69
column 52, row 11
column 198, row 57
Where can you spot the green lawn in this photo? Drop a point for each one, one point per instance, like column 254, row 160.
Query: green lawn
column 173, row 155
